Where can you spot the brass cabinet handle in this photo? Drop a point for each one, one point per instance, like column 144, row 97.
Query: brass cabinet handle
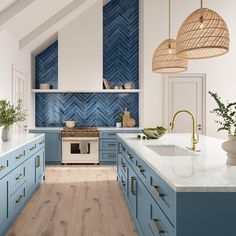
column 41, row 142
column 156, row 190
column 19, row 199
column 140, row 168
column 2, row 167
column 19, row 176
column 123, row 164
column 132, row 186
column 112, row 144
column 19, row 157
column 32, row 148
column 37, row 161
column 157, row 226
column 130, row 156
column 123, row 183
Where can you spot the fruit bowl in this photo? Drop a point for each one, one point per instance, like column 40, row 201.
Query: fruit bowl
column 154, row 133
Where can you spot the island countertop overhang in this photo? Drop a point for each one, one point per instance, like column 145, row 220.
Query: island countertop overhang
column 206, row 171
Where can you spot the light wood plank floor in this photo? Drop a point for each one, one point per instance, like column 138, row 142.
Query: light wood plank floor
column 76, row 200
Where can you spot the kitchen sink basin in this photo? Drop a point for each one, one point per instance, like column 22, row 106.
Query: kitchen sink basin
column 170, row 150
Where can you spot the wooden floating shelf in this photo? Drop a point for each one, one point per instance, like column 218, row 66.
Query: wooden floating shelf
column 86, row 91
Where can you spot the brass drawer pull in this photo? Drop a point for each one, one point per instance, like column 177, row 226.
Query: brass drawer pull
column 32, row 148
column 158, row 193
column 19, row 157
column 123, row 183
column 19, row 199
column 41, row 142
column 123, row 164
column 37, row 161
column 112, row 144
column 123, row 148
column 19, row 176
column 157, row 226
column 132, row 186
column 140, row 168
column 2, row 167
column 130, row 156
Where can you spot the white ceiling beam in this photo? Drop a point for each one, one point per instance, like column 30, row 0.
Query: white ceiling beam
column 13, row 10
column 56, row 22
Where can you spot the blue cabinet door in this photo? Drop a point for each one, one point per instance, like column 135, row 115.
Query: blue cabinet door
column 143, row 211
column 4, row 214
column 132, row 190
column 52, row 145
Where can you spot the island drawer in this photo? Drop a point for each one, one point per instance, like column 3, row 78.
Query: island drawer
column 18, row 156
column 4, row 165
column 17, row 178
column 122, row 164
column 17, row 200
column 163, row 194
column 158, row 222
column 108, row 144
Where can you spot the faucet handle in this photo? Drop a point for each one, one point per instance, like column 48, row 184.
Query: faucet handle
column 196, row 140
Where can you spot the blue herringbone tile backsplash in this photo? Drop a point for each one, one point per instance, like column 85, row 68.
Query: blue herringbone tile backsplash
column 89, row 109
column 46, row 66
column 121, row 42
column 121, row 26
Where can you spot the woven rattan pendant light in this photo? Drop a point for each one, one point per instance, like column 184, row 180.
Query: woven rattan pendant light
column 203, row 34
column 165, row 59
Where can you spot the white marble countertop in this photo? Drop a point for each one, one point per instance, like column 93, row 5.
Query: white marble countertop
column 205, row 172
column 17, row 142
column 99, row 128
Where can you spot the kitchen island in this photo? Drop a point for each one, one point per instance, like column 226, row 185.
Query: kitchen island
column 21, row 171
column 173, row 191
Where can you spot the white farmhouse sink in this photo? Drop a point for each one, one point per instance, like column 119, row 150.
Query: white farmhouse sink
column 170, row 150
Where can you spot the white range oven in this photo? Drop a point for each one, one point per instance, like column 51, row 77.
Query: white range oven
column 80, row 145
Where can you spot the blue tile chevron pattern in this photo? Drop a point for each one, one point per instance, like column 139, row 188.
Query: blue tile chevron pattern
column 121, row 42
column 89, row 109
column 46, row 66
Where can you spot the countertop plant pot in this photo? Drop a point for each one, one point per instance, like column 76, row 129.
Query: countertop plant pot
column 6, row 134
column 118, row 124
column 230, row 147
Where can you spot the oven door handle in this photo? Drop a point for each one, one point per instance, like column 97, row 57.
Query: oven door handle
column 71, row 139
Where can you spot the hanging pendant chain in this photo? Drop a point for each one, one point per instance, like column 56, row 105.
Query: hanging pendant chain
column 201, row 17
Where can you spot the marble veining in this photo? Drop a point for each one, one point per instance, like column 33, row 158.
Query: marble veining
column 205, row 172
column 17, row 141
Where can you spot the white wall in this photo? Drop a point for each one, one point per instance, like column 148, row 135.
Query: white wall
column 80, row 51
column 9, row 55
column 220, row 71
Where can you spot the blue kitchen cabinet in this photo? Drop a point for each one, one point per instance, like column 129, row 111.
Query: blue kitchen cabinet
column 21, row 172
column 108, row 144
column 4, row 193
column 52, row 145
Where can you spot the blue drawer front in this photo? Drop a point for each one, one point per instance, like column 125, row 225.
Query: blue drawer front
column 108, row 144
column 4, row 165
column 106, row 156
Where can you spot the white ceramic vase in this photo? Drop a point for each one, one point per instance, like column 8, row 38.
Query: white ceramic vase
column 118, row 124
column 6, row 134
column 230, row 147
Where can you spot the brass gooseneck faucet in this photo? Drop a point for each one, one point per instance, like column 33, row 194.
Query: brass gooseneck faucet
column 194, row 139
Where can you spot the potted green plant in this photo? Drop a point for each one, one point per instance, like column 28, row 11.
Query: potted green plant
column 9, row 115
column 119, row 120
column 228, row 123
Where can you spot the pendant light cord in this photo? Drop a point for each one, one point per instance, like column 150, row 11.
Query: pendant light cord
column 169, row 19
column 201, row 3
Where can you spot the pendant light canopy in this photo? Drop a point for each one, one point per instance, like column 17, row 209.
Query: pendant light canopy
column 203, row 34
column 165, row 59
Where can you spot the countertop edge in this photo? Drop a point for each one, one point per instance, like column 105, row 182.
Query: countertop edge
column 36, row 136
